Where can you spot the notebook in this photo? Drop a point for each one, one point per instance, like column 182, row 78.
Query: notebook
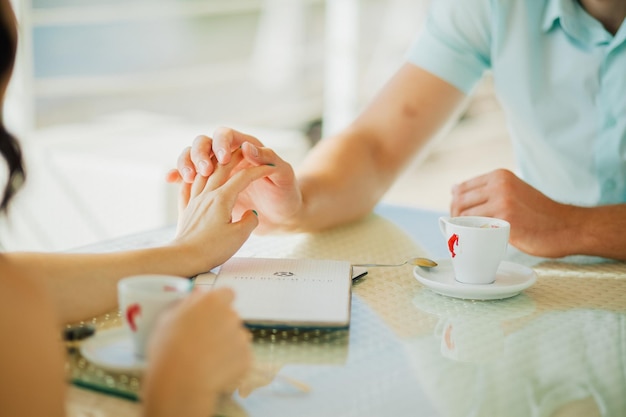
column 302, row 293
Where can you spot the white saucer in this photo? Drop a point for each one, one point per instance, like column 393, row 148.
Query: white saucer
column 511, row 279
column 112, row 350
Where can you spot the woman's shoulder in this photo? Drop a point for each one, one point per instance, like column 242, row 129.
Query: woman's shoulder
column 31, row 355
column 17, row 289
column 25, row 308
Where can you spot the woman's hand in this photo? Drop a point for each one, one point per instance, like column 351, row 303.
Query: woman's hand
column 198, row 350
column 209, row 232
column 277, row 197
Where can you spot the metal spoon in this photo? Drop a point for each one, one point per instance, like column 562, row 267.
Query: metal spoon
column 422, row 262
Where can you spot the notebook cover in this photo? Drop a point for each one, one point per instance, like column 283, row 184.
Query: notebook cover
column 280, row 292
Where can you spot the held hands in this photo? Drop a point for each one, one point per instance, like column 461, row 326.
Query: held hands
column 539, row 225
column 198, row 350
column 206, row 230
column 276, row 197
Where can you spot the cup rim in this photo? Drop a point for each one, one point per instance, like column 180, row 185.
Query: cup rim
column 451, row 220
column 130, row 283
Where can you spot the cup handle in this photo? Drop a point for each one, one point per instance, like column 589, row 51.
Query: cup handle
column 442, row 225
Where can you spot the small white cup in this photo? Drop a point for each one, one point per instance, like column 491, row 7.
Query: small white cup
column 142, row 297
column 476, row 245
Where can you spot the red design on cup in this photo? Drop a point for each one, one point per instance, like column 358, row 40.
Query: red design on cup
column 132, row 311
column 453, row 241
column 447, row 337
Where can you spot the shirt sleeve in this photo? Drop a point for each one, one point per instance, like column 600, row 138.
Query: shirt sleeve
column 454, row 43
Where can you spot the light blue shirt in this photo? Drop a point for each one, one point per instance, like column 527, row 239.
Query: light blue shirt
column 560, row 77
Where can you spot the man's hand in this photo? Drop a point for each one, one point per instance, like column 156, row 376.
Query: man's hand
column 539, row 225
column 276, row 197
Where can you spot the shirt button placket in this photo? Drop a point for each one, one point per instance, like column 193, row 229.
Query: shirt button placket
column 605, row 151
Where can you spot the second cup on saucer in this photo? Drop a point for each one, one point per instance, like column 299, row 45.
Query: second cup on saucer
column 141, row 299
column 476, row 245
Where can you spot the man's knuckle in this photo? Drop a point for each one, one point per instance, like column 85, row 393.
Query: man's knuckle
column 199, row 140
column 222, row 131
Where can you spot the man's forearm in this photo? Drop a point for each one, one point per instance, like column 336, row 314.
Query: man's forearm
column 602, row 231
column 340, row 182
column 345, row 176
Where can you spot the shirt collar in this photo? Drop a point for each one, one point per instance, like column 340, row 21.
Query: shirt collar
column 575, row 21
column 553, row 12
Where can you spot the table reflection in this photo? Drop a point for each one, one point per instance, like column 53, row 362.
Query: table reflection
column 542, row 357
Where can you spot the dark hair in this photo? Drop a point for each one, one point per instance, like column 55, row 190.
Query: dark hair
column 9, row 147
column 12, row 153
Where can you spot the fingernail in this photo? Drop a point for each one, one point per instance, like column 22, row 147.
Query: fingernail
column 254, row 150
column 255, row 213
column 187, row 174
column 220, row 155
column 203, row 167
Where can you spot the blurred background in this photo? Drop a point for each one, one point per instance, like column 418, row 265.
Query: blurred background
column 106, row 93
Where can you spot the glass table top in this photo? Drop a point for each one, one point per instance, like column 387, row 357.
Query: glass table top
column 557, row 348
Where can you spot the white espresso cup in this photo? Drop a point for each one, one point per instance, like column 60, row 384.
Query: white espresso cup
column 476, row 245
column 142, row 298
